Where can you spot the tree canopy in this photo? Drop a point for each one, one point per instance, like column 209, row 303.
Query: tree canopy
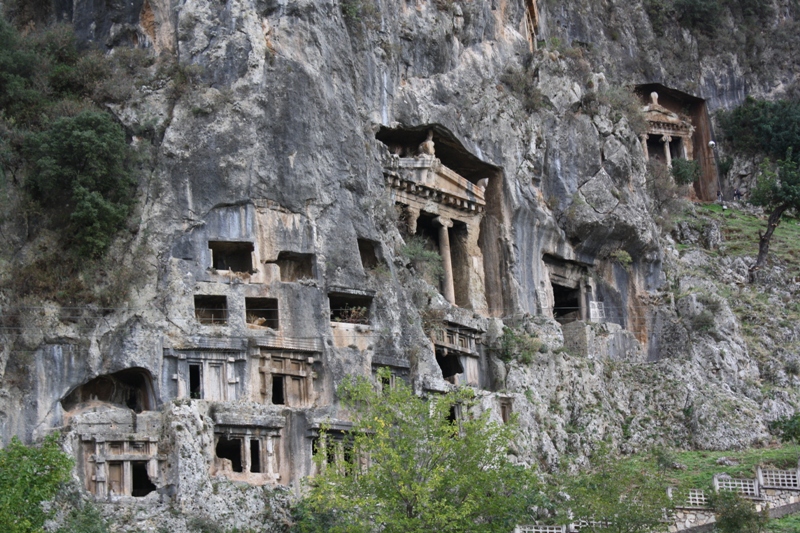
column 758, row 126
column 613, row 497
column 411, row 465
column 28, row 477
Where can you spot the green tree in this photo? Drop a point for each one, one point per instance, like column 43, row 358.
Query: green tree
column 735, row 514
column 685, row 172
column 758, row 126
column 617, row 498
column 776, row 191
column 787, row 428
column 28, row 477
column 80, row 166
column 411, row 466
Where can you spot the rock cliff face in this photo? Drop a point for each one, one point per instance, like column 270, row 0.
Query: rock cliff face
column 276, row 232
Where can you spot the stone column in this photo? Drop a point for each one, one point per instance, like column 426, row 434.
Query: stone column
column 644, row 138
column 666, row 139
column 582, row 301
column 447, row 262
column 412, row 214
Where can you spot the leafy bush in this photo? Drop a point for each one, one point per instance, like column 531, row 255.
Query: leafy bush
column 519, row 346
column 87, row 519
column 424, row 259
column 666, row 195
column 28, row 477
column 701, row 15
column 73, row 158
column 787, row 428
column 685, row 172
column 704, row 321
column 522, row 84
column 80, row 163
column 622, row 257
column 737, row 515
column 660, row 13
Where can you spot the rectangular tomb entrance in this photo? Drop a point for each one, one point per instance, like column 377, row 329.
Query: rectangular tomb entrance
column 457, row 354
column 124, row 467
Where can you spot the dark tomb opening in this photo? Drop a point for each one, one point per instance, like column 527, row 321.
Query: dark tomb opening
column 230, row 449
column 195, row 382
column 233, row 256
column 655, row 149
column 140, row 481
column 350, row 308
column 211, row 309
column 676, row 148
column 428, row 233
column 278, row 397
column 255, row 456
column 366, row 249
column 566, row 304
column 450, row 364
column 295, row 266
column 132, row 388
column 505, row 410
column 452, row 416
column 262, row 312
column 349, row 457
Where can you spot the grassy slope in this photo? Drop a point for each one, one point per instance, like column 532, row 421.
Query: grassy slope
column 740, row 234
column 787, row 524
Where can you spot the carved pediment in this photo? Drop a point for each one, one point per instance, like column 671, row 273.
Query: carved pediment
column 428, row 178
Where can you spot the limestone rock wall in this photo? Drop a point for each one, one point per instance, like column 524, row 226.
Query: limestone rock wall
column 274, row 145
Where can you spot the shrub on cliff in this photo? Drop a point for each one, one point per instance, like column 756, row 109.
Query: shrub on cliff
column 79, row 165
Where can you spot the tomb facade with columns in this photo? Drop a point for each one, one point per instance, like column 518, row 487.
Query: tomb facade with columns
column 678, row 127
column 442, row 190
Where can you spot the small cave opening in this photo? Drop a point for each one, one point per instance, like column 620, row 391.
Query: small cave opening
column 141, row 485
column 450, row 364
column 131, row 388
column 367, row 251
column 233, row 256
column 295, row 266
column 566, row 304
column 230, row 449
column 262, row 312
column 212, row 310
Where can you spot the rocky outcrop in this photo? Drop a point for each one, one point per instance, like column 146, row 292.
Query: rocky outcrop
column 273, row 261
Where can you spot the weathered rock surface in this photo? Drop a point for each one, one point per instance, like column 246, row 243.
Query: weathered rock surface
column 275, row 145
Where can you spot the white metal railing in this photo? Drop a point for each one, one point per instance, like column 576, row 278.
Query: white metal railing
column 747, row 487
column 784, row 479
column 536, row 528
column 697, row 498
